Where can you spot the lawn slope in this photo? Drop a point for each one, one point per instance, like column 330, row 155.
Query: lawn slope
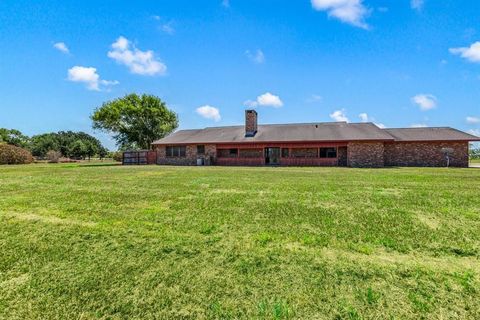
column 113, row 242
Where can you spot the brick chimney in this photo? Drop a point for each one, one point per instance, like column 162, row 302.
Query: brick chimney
column 250, row 123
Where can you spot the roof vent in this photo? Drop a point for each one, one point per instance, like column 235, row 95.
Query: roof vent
column 250, row 123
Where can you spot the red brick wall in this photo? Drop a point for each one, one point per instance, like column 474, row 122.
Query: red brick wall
column 365, row 154
column 425, row 154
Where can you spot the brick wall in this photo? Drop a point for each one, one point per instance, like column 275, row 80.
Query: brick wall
column 365, row 154
column 425, row 154
column 342, row 156
column 191, row 156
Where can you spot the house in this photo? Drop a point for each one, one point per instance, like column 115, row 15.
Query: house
column 315, row 144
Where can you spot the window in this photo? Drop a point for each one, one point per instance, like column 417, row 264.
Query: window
column 328, row 152
column 233, row 152
column 304, row 152
column 285, row 153
column 250, row 153
column 201, row 149
column 176, row 151
column 227, row 153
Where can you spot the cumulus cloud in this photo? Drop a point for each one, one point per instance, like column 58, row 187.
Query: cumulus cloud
column 61, row 46
column 417, row 4
column 256, row 57
column 90, row 77
column 265, row 100
column 339, row 115
column 425, row 101
column 364, row 117
column 471, row 53
column 418, row 125
column 209, row 112
column 349, row 11
column 139, row 62
column 472, row 120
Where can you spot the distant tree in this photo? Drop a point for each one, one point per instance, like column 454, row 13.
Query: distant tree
column 102, row 152
column 136, row 121
column 62, row 142
column 77, row 150
column 14, row 137
column 41, row 144
column 474, row 151
column 91, row 149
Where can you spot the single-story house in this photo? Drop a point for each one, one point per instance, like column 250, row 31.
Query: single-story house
column 315, row 144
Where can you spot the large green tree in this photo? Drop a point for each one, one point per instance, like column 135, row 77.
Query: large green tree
column 135, row 121
column 63, row 142
column 14, row 137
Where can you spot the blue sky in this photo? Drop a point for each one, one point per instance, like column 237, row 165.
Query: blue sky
column 397, row 63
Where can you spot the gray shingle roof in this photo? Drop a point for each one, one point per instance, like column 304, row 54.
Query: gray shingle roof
column 328, row 131
column 430, row 134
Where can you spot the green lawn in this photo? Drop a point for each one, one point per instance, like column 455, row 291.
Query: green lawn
column 151, row 242
column 476, row 161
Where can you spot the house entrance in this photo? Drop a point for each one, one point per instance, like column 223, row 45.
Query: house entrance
column 272, row 156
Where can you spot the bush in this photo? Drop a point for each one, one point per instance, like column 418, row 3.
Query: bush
column 14, row 155
column 117, row 156
column 54, row 156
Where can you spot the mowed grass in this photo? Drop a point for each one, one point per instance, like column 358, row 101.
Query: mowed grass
column 152, row 242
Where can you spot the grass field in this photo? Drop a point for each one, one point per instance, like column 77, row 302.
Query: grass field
column 113, row 242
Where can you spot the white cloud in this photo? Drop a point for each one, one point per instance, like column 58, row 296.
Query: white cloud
column 257, row 57
column 339, row 115
column 475, row 132
column 209, row 112
column 425, row 101
column 265, row 100
column 349, row 11
column 88, row 76
column 418, row 125
column 363, row 117
column 61, row 46
column 168, row 28
column 471, row 53
column 139, row 62
column 417, row 4
column 314, row 98
column 472, row 120
column 226, row 3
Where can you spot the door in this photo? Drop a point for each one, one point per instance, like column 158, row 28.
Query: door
column 272, row 156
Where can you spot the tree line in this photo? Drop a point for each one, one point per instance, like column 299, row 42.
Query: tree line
column 69, row 144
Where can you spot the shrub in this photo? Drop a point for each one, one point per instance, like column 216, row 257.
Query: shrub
column 117, row 156
column 54, row 156
column 14, row 155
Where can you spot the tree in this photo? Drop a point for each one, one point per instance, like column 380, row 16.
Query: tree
column 41, row 144
column 62, row 142
column 102, row 152
column 14, row 137
column 90, row 149
column 77, row 150
column 135, row 121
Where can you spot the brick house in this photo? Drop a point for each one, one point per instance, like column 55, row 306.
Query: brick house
column 314, row 144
